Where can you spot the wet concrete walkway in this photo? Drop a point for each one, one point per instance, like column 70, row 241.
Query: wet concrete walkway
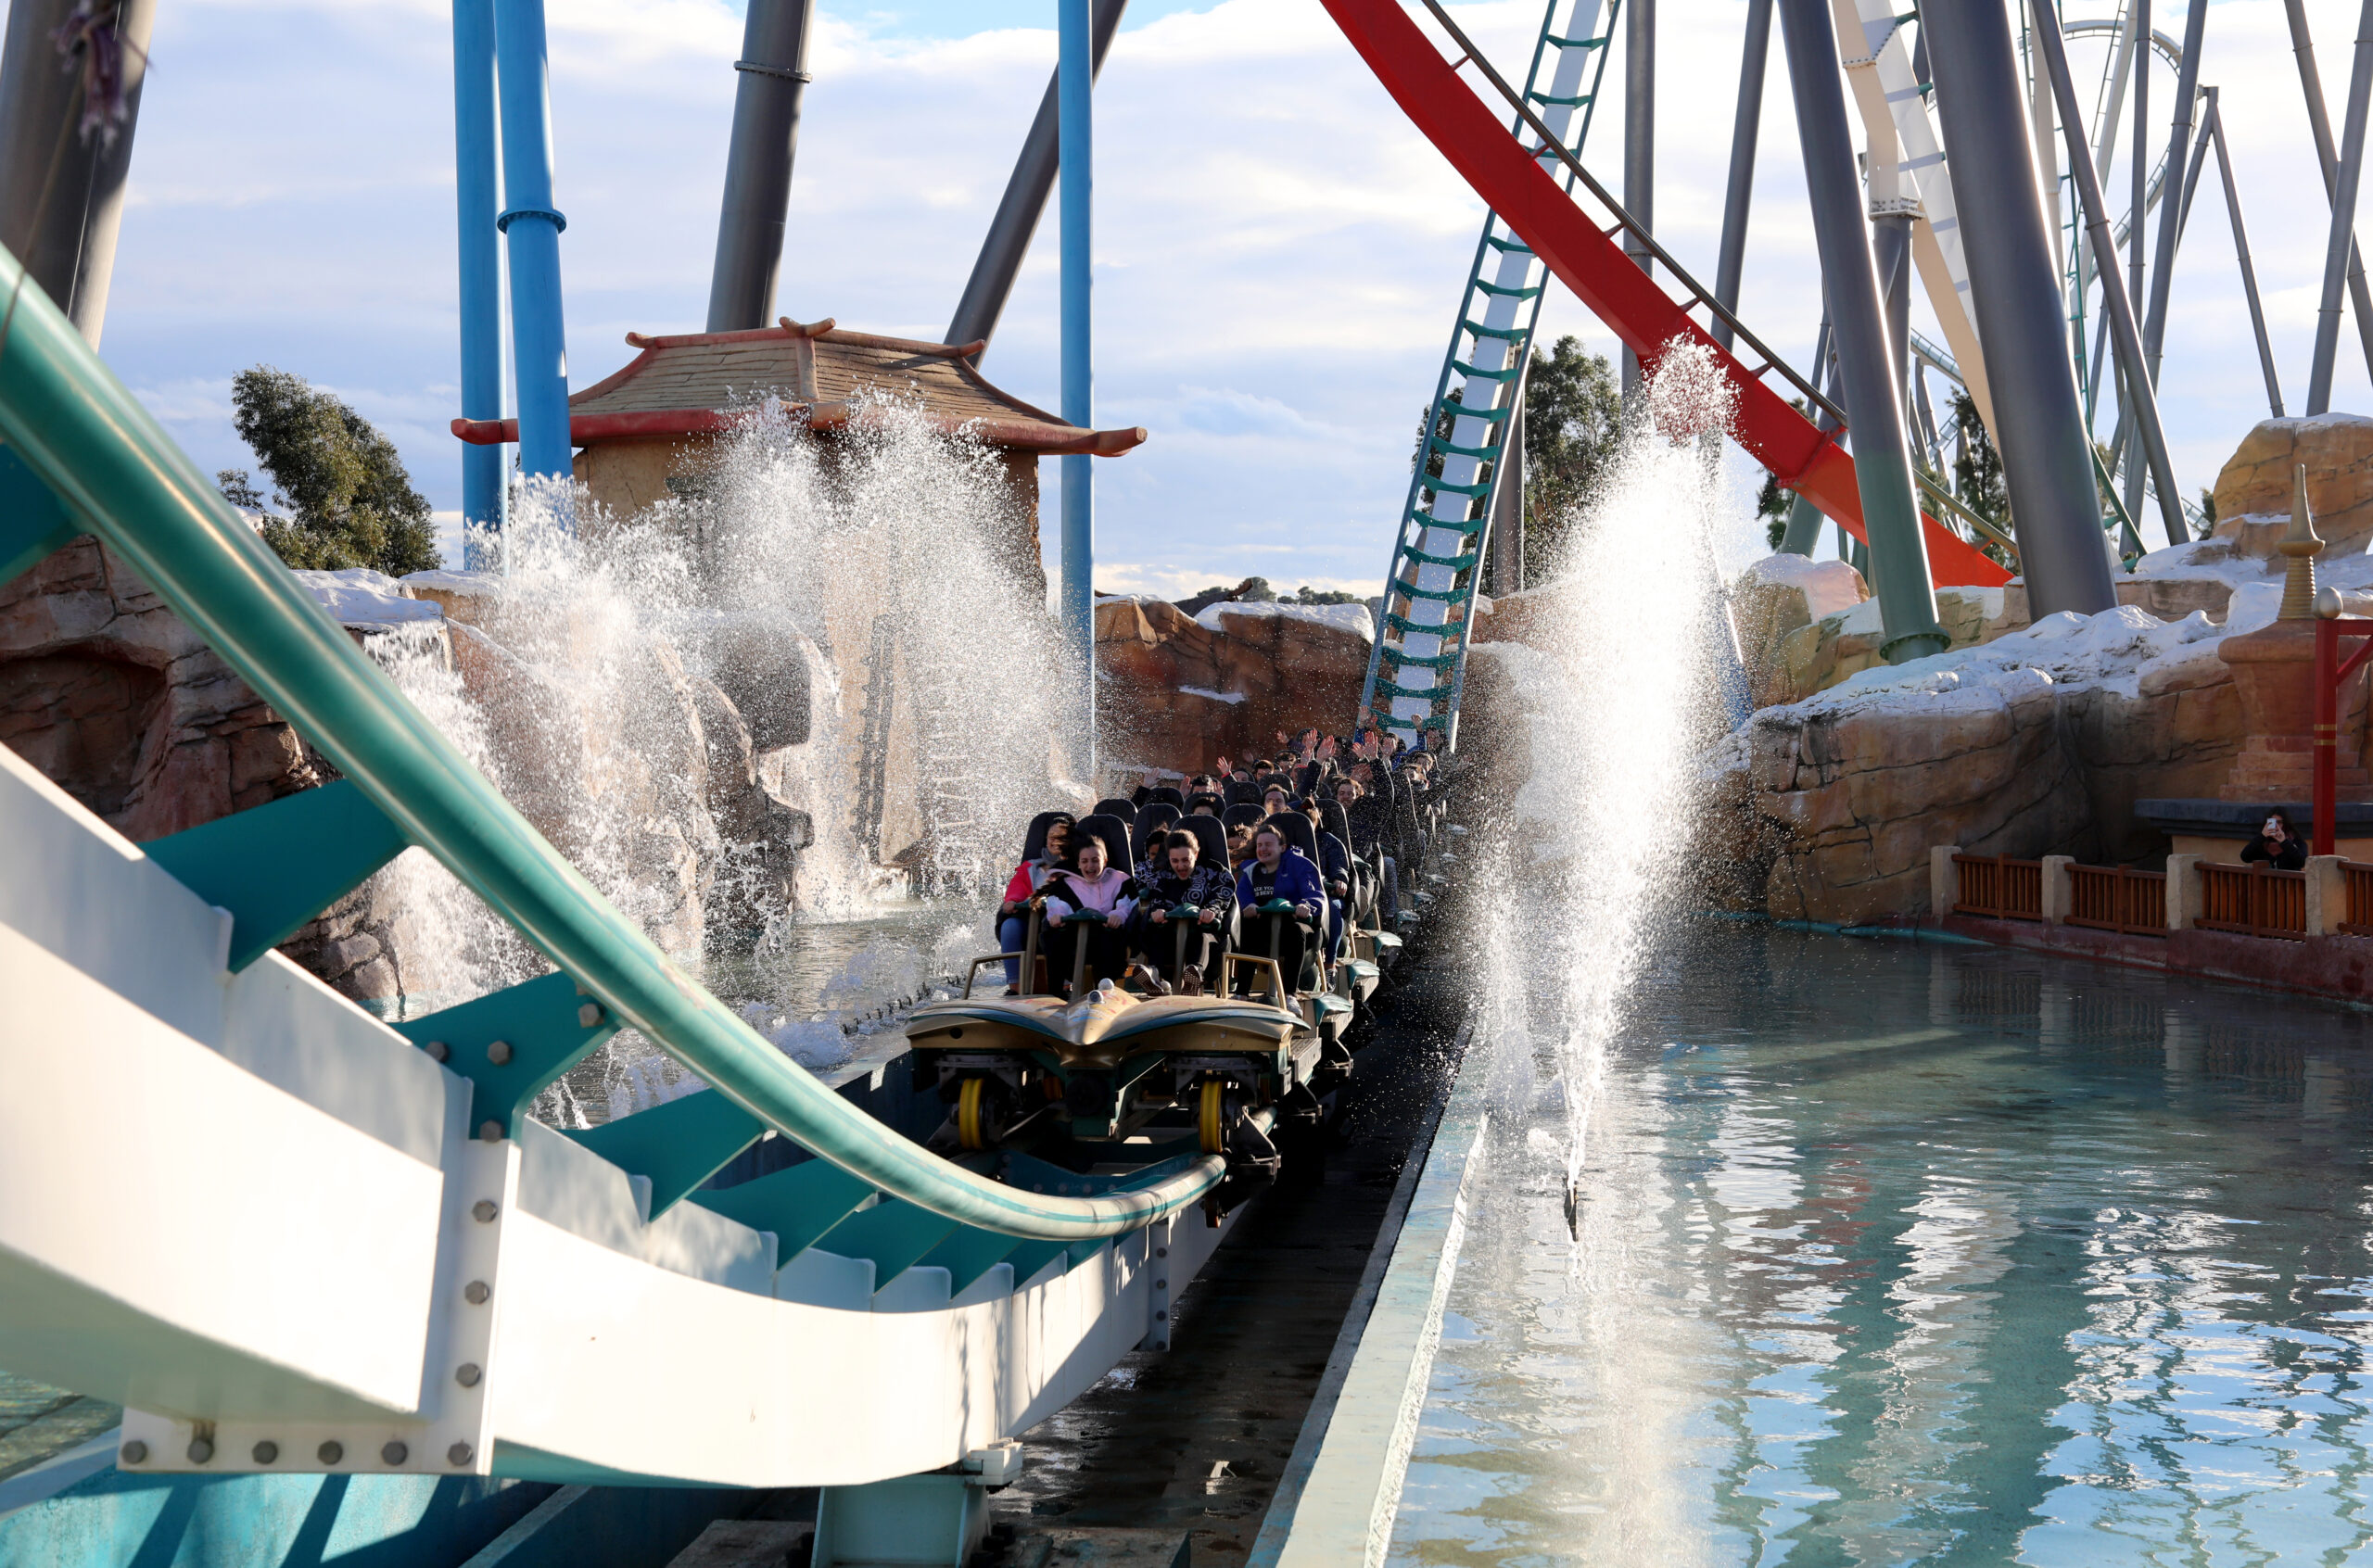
column 1195, row 1438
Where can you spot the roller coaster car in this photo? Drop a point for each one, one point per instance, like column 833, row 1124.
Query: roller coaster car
column 1113, row 1063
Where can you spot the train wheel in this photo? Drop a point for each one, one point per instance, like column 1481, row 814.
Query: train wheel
column 1210, row 1120
column 969, row 1101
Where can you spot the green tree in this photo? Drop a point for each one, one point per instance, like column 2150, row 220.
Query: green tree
column 1977, row 467
column 341, row 492
column 1573, row 423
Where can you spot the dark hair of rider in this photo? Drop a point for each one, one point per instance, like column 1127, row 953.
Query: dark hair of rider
column 1268, row 830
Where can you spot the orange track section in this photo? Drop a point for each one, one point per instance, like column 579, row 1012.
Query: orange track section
column 1586, row 260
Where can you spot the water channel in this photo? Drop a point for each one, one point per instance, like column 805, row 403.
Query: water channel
column 1896, row 1252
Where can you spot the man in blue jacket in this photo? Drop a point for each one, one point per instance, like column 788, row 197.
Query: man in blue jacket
column 1276, row 872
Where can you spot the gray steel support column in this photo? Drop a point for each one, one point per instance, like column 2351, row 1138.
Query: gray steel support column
column 1891, row 255
column 1507, row 509
column 2137, row 228
column 2213, row 130
column 773, row 68
column 1731, row 261
column 2343, row 241
column 1802, row 534
column 2320, row 121
column 1023, row 204
column 1639, row 148
column 1875, row 403
column 2014, row 295
column 2116, row 302
column 61, row 193
column 2172, row 213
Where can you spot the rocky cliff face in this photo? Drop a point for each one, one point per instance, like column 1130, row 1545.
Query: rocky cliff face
column 2253, row 490
column 1179, row 691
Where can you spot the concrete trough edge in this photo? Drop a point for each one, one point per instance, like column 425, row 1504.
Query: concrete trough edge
column 1336, row 1502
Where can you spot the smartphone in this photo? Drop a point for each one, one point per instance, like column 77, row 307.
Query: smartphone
column 2272, row 826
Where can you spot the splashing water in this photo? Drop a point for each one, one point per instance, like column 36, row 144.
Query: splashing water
column 1616, row 703
column 867, row 602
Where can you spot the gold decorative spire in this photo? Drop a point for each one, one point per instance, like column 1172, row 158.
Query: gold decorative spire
column 2301, row 546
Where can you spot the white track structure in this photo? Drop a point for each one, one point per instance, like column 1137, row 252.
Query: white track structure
column 253, row 1214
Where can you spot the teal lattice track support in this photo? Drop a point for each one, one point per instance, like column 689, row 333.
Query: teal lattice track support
column 33, row 522
column 275, row 866
column 1417, row 669
column 676, row 1145
column 513, row 1044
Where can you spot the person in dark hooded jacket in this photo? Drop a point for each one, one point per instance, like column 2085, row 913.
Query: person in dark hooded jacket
column 1183, row 883
column 1045, row 849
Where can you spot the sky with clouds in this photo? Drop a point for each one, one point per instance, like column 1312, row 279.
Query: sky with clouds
column 1277, row 251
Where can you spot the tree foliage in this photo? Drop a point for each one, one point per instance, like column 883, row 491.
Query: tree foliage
column 340, row 496
column 1573, row 425
column 1977, row 467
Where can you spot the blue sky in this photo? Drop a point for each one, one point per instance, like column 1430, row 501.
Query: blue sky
column 1277, row 251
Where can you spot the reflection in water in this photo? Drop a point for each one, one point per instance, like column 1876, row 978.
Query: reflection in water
column 1909, row 1253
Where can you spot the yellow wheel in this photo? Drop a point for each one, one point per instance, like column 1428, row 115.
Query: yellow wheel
column 968, row 1112
column 1208, row 1122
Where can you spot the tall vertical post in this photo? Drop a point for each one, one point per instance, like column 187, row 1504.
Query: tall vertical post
column 1507, row 506
column 61, row 192
column 1874, row 405
column 2170, row 214
column 773, row 72
column 1076, row 79
column 2116, row 304
column 2138, row 209
column 2014, row 293
column 1731, row 261
column 2213, row 130
column 1639, row 150
column 532, row 226
column 2320, row 121
column 1019, row 210
column 477, row 194
column 2343, row 240
column 1802, row 534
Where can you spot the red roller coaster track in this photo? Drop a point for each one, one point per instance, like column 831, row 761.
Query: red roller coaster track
column 1587, row 260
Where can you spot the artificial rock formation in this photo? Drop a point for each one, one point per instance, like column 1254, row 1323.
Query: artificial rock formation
column 2253, row 490
column 1175, row 692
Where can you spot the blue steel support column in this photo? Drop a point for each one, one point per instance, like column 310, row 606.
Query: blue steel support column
column 1075, row 80
column 478, row 197
column 532, row 225
column 2014, row 296
column 1874, row 401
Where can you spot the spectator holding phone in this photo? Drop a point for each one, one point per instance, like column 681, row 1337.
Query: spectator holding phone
column 2277, row 844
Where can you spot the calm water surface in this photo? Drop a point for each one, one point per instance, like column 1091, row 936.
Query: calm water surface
column 1893, row 1252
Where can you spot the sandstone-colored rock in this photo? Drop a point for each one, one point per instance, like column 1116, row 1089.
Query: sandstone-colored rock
column 1173, row 692
column 2253, row 490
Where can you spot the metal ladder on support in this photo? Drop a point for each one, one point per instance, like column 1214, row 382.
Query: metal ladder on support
column 1414, row 683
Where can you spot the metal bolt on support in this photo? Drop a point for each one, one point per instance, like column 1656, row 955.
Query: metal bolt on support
column 484, row 1209
column 438, row 1051
column 499, row 1052
column 458, row 1454
column 134, row 1452
column 1162, row 1252
column 476, row 1291
column 200, row 1451
column 266, row 1452
column 1162, row 1317
column 490, row 1130
column 589, row 1015
column 1162, row 1284
column 393, row 1454
column 467, row 1374
column 330, row 1453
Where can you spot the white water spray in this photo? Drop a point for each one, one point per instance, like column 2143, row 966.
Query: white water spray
column 1618, row 701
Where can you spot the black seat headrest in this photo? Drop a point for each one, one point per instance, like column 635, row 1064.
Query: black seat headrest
column 1242, row 791
column 1211, row 836
column 1156, row 818
column 1168, row 795
column 1116, row 806
column 1113, row 831
column 1033, row 842
column 1298, row 832
column 1243, row 815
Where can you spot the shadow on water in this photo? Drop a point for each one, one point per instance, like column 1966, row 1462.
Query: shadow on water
column 1898, row 1253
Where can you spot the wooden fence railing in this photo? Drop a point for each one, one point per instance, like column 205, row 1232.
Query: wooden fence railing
column 1999, row 888
column 2254, row 900
column 2112, row 898
column 2356, row 880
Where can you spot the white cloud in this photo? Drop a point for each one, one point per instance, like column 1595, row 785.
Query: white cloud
column 1279, row 251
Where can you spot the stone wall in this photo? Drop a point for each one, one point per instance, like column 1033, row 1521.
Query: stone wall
column 2253, row 490
column 1175, row 694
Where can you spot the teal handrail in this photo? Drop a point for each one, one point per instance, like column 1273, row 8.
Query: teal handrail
column 76, row 426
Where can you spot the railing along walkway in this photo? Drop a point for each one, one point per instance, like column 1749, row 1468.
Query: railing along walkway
column 2254, row 900
column 1997, row 888
column 2117, row 898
